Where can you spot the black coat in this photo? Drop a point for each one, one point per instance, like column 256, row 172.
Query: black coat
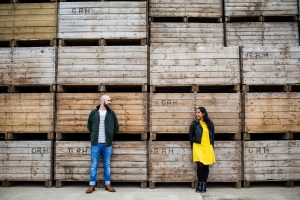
column 196, row 133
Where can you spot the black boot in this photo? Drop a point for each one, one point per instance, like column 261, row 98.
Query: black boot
column 199, row 187
column 203, row 189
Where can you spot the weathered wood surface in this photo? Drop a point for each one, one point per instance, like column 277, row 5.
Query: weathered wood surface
column 190, row 8
column 109, row 20
column 35, row 21
column 262, row 34
column 236, row 8
column 271, row 160
column 174, row 112
column 25, row 160
column 171, row 161
column 187, row 64
column 128, row 162
column 73, row 110
column 6, row 22
column 5, row 66
column 26, row 112
column 272, row 112
column 204, row 34
column 224, row 110
column 102, row 65
column 271, row 65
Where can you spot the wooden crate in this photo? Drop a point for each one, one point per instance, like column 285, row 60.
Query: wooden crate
column 224, row 110
column 73, row 110
column 271, row 65
column 6, row 22
column 109, row 20
column 26, row 161
column 294, row 157
column 128, row 162
column 35, row 21
column 170, row 161
column 5, row 65
column 33, row 66
column 236, row 8
column 171, row 112
column 190, row 8
column 26, row 112
column 268, row 161
column 262, row 34
column 272, row 112
column 102, row 65
column 228, row 166
column 204, row 34
column 183, row 64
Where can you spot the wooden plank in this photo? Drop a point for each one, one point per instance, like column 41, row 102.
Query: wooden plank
column 271, row 160
column 6, row 22
column 128, row 163
column 190, row 8
column 5, row 65
column 171, row 162
column 42, row 104
column 234, row 8
column 130, row 109
column 102, row 65
column 272, row 112
column 203, row 68
column 262, row 34
column 35, row 21
column 204, row 34
column 25, row 160
column 109, row 20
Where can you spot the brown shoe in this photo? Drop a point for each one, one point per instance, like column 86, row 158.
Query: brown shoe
column 109, row 188
column 90, row 189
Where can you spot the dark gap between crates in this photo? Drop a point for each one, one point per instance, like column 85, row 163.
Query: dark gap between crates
column 172, row 137
column 203, row 20
column 266, row 88
column 5, row 1
column 267, row 136
column 296, row 136
column 244, row 19
column 73, row 137
column 174, row 89
column 86, row 42
column 167, row 19
column 279, row 18
column 33, row 43
column 217, row 89
column 127, row 42
column 2, row 136
column 3, row 89
column 224, row 136
column 80, row 89
column 32, row 89
column 4, row 43
column 30, row 136
column 295, row 88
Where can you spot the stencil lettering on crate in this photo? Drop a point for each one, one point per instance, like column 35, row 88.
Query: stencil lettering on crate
column 257, row 55
column 169, row 102
column 260, row 150
column 81, row 10
column 78, row 150
column 40, row 150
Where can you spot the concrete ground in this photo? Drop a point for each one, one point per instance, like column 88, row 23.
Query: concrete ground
column 161, row 192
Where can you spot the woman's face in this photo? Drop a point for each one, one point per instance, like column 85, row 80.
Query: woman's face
column 199, row 115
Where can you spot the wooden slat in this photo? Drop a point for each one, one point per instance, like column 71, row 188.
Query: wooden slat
column 183, row 64
column 262, row 34
column 203, row 34
column 271, row 160
column 272, row 112
column 25, row 160
column 271, row 65
column 190, row 8
column 35, row 21
column 73, row 111
column 5, row 65
column 236, row 8
column 35, row 115
column 111, row 20
column 102, row 65
column 128, row 163
column 171, row 161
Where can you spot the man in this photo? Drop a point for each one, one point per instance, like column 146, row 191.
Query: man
column 102, row 125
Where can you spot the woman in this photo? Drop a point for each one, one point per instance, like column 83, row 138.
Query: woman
column 202, row 140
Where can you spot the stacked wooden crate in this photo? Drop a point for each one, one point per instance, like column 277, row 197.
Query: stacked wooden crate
column 101, row 51
column 268, row 32
column 186, row 59
column 28, row 33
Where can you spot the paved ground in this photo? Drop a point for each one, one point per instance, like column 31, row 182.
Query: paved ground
column 161, row 192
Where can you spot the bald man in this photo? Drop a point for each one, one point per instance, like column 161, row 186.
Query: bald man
column 102, row 125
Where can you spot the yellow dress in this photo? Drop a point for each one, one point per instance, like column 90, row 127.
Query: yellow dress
column 204, row 152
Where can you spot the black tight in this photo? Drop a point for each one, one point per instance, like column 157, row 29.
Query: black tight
column 202, row 172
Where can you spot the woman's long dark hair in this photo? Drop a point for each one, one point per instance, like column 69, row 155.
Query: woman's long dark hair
column 206, row 118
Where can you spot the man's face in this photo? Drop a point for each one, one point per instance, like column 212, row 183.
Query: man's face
column 107, row 101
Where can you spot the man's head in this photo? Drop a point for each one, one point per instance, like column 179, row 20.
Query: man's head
column 105, row 100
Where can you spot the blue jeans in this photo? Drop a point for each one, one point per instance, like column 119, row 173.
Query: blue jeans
column 106, row 152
